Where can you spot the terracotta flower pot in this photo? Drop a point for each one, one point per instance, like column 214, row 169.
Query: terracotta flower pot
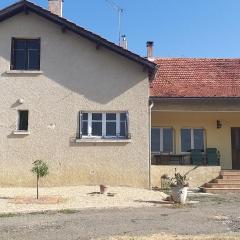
column 179, row 194
column 103, row 189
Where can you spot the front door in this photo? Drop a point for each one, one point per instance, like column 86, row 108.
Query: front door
column 235, row 135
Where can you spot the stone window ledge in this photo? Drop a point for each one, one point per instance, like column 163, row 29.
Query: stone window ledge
column 17, row 132
column 31, row 72
column 96, row 140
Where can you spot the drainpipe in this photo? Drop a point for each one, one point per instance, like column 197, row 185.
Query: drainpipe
column 151, row 105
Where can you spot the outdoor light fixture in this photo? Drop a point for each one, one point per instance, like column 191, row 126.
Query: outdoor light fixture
column 219, row 124
column 20, row 101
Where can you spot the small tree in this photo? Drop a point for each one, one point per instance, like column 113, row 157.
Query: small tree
column 40, row 168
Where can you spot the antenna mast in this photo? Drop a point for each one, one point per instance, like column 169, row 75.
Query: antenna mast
column 120, row 11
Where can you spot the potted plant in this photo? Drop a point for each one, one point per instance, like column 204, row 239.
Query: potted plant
column 179, row 188
column 165, row 182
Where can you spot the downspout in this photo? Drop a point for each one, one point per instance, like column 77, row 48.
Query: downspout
column 151, row 105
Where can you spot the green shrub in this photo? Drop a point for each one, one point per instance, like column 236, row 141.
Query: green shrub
column 40, row 168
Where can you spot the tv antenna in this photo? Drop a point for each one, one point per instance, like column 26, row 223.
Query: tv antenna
column 120, row 11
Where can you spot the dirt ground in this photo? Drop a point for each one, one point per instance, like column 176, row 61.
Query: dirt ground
column 227, row 213
column 23, row 200
column 211, row 217
column 177, row 237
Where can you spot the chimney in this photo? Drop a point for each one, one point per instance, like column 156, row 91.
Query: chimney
column 124, row 43
column 150, row 50
column 55, row 7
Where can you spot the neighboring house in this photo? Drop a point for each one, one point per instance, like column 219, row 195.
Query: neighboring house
column 71, row 98
column 196, row 115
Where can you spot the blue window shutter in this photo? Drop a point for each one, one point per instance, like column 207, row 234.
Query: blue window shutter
column 127, row 128
column 80, row 124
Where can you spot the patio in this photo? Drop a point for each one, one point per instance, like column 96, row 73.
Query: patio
column 196, row 132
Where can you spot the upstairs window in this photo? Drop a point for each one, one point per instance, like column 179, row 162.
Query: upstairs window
column 25, row 54
column 22, row 120
column 104, row 125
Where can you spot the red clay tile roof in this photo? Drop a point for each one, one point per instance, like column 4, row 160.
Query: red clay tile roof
column 191, row 77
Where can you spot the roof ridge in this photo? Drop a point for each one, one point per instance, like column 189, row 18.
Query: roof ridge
column 63, row 22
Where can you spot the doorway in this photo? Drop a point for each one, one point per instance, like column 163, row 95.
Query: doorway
column 235, row 137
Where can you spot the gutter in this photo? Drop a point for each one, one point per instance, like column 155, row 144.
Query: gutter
column 197, row 98
column 151, row 105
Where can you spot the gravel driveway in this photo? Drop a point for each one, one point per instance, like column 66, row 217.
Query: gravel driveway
column 212, row 215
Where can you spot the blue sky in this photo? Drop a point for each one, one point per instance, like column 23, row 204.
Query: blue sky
column 179, row 28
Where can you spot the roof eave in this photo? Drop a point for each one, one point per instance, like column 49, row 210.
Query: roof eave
column 194, row 97
column 28, row 6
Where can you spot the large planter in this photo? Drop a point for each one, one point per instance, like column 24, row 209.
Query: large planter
column 179, row 194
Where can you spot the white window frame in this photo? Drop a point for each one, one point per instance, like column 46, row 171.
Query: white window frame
column 104, row 123
column 96, row 121
column 161, row 139
column 117, row 121
column 192, row 137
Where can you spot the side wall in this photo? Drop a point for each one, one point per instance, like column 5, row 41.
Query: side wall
column 75, row 77
column 215, row 138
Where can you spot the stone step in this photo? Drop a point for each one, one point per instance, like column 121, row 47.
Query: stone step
column 230, row 172
column 221, row 190
column 226, row 181
column 224, row 185
column 230, row 177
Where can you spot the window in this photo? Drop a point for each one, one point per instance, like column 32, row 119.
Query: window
column 162, row 140
column 22, row 120
column 192, row 138
column 104, row 125
column 25, row 54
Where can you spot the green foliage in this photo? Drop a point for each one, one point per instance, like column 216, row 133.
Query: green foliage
column 7, row 215
column 40, row 168
column 180, row 180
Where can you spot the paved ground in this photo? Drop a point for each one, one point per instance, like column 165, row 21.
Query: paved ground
column 214, row 214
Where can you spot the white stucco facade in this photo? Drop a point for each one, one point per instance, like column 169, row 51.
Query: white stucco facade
column 75, row 77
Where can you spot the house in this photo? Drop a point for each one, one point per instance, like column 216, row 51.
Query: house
column 196, row 107
column 70, row 98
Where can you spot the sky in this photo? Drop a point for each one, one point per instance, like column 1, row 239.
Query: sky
column 179, row 28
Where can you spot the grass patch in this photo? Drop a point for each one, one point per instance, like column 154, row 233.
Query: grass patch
column 7, row 215
column 178, row 205
column 67, row 211
column 38, row 213
column 63, row 211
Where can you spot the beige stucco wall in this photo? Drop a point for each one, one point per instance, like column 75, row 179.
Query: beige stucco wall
column 215, row 138
column 75, row 77
column 197, row 176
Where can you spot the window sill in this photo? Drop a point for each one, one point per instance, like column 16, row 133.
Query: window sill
column 21, row 132
column 101, row 140
column 31, row 72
